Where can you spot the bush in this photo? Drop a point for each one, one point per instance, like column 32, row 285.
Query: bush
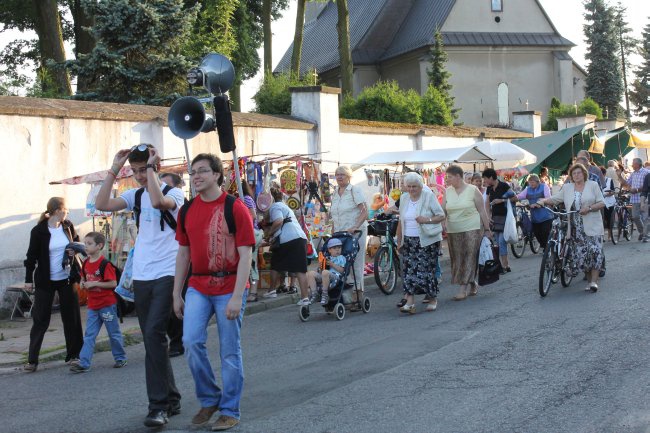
column 587, row 106
column 434, row 108
column 384, row 102
column 274, row 97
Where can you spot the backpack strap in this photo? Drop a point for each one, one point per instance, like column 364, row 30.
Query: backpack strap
column 183, row 213
column 137, row 207
column 166, row 216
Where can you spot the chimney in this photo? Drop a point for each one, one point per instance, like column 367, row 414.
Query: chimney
column 528, row 121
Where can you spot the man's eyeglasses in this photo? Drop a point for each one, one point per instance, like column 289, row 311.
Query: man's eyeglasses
column 200, row 171
column 140, row 148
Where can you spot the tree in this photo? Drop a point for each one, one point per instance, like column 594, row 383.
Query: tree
column 83, row 20
column 213, row 30
column 137, row 57
column 268, row 36
column 604, row 77
column 345, row 54
column 434, row 108
column 438, row 74
column 627, row 45
column 297, row 38
column 640, row 94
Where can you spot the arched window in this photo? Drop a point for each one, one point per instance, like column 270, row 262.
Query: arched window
column 502, row 104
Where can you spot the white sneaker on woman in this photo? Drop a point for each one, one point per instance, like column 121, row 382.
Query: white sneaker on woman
column 303, row 302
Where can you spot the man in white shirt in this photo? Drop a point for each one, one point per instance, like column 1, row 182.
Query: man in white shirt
column 154, row 259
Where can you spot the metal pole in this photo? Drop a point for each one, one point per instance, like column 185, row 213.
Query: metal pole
column 187, row 157
column 235, row 164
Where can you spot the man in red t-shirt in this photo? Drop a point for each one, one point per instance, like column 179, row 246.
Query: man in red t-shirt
column 221, row 264
column 99, row 281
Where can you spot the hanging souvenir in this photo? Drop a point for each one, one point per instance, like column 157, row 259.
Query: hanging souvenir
column 293, row 203
column 288, row 181
column 265, row 199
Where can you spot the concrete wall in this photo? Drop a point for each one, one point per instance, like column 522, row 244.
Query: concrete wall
column 476, row 75
column 406, row 71
column 517, row 16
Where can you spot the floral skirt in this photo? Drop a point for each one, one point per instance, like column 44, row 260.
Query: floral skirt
column 588, row 252
column 418, row 267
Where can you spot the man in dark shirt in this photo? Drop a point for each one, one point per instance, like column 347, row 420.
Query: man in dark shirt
column 645, row 199
column 498, row 192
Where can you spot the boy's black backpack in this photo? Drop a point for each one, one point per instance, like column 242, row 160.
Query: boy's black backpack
column 165, row 216
column 123, row 307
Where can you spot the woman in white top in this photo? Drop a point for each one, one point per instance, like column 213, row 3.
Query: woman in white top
column 349, row 212
column 419, row 234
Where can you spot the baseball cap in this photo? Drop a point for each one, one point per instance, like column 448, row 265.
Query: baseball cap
column 334, row 243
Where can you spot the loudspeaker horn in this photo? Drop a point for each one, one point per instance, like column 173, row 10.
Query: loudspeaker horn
column 218, row 73
column 187, row 118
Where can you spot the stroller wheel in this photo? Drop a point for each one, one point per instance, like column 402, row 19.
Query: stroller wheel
column 340, row 311
column 304, row 313
column 365, row 305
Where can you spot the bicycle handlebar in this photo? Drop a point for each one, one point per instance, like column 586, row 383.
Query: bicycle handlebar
column 561, row 213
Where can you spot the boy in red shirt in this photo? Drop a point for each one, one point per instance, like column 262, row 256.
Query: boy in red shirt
column 98, row 276
column 216, row 232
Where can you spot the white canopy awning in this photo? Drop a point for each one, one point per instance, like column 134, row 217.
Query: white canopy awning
column 506, row 154
column 468, row 155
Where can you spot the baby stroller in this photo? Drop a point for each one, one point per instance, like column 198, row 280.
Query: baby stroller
column 340, row 294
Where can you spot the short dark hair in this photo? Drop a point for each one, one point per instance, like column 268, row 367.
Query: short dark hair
column 213, row 160
column 177, row 181
column 140, row 155
column 490, row 173
column 455, row 170
column 276, row 193
column 97, row 237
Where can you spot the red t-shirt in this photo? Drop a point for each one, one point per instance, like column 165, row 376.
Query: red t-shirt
column 104, row 297
column 212, row 247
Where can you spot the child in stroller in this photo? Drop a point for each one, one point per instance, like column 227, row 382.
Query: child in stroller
column 322, row 280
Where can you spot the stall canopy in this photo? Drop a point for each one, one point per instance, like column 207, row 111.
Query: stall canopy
column 505, row 154
column 468, row 155
column 555, row 150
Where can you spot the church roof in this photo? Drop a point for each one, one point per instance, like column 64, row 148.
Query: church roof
column 384, row 29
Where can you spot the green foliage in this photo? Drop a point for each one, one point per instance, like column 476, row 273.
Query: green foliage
column 640, row 94
column 274, row 97
column 604, row 77
column 587, row 106
column 434, row 108
column 438, row 75
column 137, row 58
column 213, row 30
column 385, row 102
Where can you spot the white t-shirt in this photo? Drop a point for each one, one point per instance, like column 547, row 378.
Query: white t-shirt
column 289, row 231
column 155, row 250
column 609, row 186
column 58, row 242
column 410, row 225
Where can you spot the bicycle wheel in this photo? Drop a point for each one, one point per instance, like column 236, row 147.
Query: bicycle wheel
column 547, row 269
column 628, row 225
column 566, row 273
column 519, row 248
column 385, row 271
column 534, row 245
column 613, row 224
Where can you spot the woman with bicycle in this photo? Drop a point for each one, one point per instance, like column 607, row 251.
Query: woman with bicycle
column 586, row 226
column 419, row 234
column 541, row 218
column 466, row 214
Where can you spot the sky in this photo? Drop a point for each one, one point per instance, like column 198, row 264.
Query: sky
column 566, row 15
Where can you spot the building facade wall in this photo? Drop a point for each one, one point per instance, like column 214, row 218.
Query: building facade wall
column 517, row 16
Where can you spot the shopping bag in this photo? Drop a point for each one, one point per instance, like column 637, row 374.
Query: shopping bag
column 485, row 252
column 510, row 228
column 125, row 286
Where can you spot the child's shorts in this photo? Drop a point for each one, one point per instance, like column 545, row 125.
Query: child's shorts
column 334, row 279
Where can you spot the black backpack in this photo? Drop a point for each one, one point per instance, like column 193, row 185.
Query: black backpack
column 165, row 216
column 228, row 213
column 123, row 307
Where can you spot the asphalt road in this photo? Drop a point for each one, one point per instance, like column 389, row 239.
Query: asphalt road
column 505, row 361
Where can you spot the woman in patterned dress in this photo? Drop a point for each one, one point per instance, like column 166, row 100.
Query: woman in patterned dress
column 419, row 234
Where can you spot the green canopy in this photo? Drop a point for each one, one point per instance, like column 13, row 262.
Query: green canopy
column 557, row 149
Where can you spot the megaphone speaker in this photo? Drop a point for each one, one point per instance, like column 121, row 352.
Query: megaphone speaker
column 187, row 118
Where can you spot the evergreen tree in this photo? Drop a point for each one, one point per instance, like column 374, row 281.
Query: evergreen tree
column 604, row 76
column 438, row 75
column 137, row 57
column 640, row 94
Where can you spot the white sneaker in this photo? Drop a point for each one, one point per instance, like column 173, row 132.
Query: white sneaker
column 271, row 294
column 303, row 302
column 324, row 300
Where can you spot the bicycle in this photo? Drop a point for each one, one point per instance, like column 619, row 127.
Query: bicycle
column 621, row 218
column 557, row 261
column 524, row 233
column 387, row 267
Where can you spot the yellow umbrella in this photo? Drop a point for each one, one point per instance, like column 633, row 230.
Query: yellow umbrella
column 597, row 146
column 639, row 140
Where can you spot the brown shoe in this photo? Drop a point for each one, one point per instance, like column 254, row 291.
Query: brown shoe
column 224, row 422
column 204, row 414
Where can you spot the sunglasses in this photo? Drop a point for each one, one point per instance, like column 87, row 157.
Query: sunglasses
column 140, row 148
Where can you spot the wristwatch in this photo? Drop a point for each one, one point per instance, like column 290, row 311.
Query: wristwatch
column 152, row 166
column 590, row 209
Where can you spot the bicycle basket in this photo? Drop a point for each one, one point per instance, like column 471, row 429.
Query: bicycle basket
column 378, row 228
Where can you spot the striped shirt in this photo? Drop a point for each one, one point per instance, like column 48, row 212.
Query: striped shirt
column 636, row 181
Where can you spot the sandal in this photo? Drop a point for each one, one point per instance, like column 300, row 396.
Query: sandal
column 401, row 303
column 459, row 297
column 252, row 297
column 30, row 368
column 474, row 290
